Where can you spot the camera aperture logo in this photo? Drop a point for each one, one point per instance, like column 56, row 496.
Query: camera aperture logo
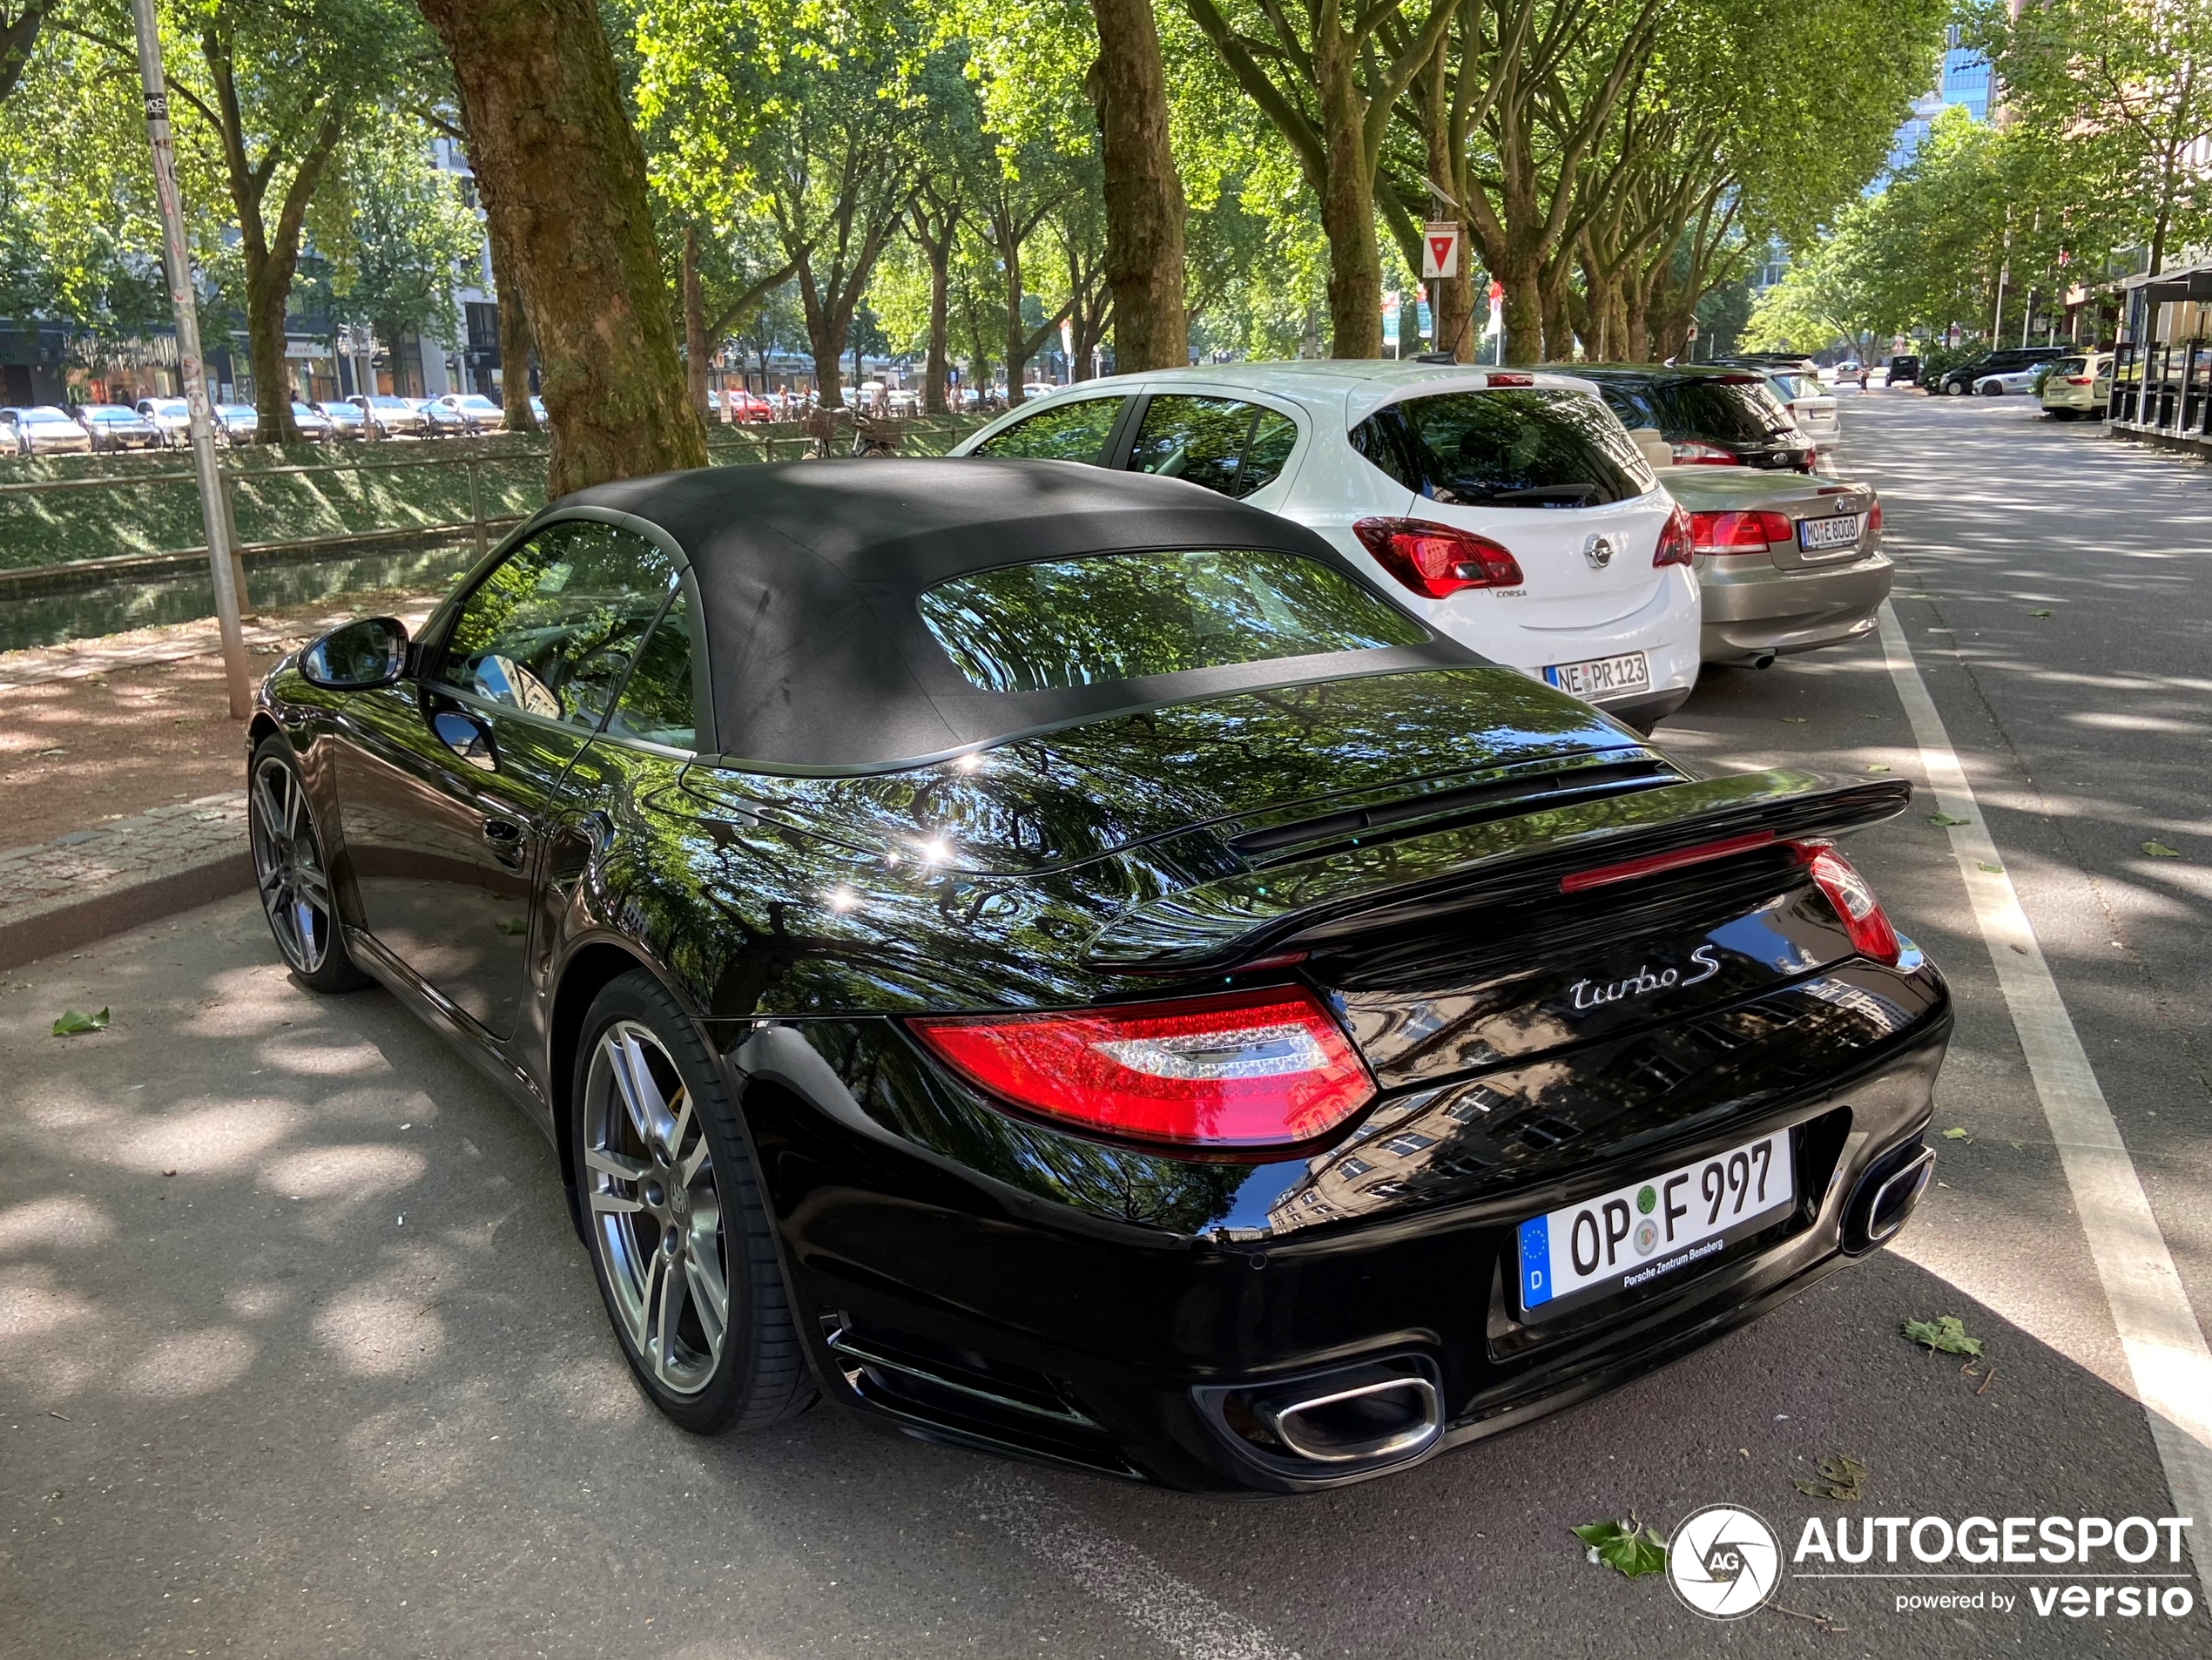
column 1724, row 1562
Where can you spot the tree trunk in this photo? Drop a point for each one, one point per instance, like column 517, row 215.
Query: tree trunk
column 20, row 34
column 1145, row 206
column 1348, row 202
column 933, row 393
column 695, row 345
column 1017, row 337
column 554, row 155
column 826, row 326
column 514, row 332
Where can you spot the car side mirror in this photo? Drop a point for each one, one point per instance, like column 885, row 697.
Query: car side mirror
column 357, row 655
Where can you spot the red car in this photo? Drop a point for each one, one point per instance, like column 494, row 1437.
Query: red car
column 747, row 407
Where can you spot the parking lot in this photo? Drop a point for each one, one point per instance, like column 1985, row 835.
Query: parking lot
column 298, row 1354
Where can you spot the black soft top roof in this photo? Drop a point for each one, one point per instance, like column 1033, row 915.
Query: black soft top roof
column 808, row 574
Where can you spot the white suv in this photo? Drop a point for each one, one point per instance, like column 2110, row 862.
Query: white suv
column 1508, row 508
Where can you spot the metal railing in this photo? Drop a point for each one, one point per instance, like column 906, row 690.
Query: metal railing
column 343, row 513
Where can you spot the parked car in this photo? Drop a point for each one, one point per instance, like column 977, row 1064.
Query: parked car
column 1711, row 417
column 1506, row 509
column 537, row 410
column 1811, row 405
column 1785, row 563
column 171, row 418
column 236, row 423
column 1849, row 370
column 2070, row 390
column 2021, row 380
column 1957, row 382
column 742, row 408
column 478, row 412
column 439, row 421
column 116, row 426
column 343, row 416
column 386, row 416
column 1118, row 891
column 1904, row 369
column 314, row 426
column 41, row 429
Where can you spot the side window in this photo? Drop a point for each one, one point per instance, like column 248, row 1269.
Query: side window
column 656, row 704
column 552, row 630
column 1075, row 431
column 1224, row 443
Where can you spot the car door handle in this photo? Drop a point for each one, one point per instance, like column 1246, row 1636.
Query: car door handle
column 505, row 837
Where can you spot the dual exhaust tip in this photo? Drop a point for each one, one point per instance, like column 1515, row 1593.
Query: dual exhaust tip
column 1355, row 1421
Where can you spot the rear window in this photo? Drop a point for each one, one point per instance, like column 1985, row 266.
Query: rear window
column 1066, row 623
column 2069, row 366
column 1744, row 412
column 1538, row 448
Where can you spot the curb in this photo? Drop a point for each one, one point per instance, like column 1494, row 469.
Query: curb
column 66, row 927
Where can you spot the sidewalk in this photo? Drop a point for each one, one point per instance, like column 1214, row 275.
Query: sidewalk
column 122, row 777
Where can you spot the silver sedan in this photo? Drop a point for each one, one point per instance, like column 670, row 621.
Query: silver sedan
column 1785, row 563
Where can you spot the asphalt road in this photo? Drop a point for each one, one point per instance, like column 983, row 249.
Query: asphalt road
column 298, row 1355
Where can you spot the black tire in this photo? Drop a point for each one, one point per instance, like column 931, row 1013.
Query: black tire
column 757, row 1375
column 1954, row 388
column 292, row 875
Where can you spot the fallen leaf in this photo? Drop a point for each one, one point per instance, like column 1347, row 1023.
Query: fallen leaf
column 512, row 926
column 2160, row 850
column 72, row 1023
column 1877, row 767
column 1957, row 1132
column 1944, row 820
column 1839, row 1477
column 2042, row 613
column 1945, row 1334
column 1994, row 870
column 1794, row 720
column 1632, row 1547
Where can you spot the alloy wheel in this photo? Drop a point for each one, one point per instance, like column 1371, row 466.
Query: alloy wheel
column 288, row 867
column 656, row 1209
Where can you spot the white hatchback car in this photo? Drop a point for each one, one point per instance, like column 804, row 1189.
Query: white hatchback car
column 1508, row 508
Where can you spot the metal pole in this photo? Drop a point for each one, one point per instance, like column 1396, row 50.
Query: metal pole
column 183, row 300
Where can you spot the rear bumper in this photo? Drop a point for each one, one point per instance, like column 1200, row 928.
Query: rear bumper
column 946, row 1305
column 1762, row 610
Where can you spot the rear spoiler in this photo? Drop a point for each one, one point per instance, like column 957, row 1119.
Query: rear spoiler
column 1293, row 905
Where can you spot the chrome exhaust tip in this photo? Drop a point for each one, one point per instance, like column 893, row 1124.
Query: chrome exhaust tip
column 1326, row 1425
column 1885, row 1197
column 1393, row 1418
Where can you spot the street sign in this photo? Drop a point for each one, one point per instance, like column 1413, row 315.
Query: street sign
column 1440, row 250
column 1390, row 315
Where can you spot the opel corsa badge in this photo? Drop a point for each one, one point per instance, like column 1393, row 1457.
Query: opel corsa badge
column 1599, row 551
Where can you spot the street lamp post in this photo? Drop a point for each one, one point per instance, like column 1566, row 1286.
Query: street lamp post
column 193, row 372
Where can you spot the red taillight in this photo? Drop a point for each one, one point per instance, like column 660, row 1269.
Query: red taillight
column 1689, row 454
column 1247, row 1068
column 1434, row 560
column 1874, row 519
column 2077, row 380
column 1652, row 864
column 1675, row 540
column 1509, row 379
column 1748, row 532
column 1855, row 906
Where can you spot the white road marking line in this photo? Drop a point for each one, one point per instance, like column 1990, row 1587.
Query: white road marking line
column 1139, row 1590
column 2158, row 1330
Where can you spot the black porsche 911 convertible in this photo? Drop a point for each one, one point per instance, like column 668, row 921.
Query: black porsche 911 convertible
column 1059, row 964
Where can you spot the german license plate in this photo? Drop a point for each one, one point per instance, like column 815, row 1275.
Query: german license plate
column 1651, row 1229
column 1602, row 677
column 1826, row 535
